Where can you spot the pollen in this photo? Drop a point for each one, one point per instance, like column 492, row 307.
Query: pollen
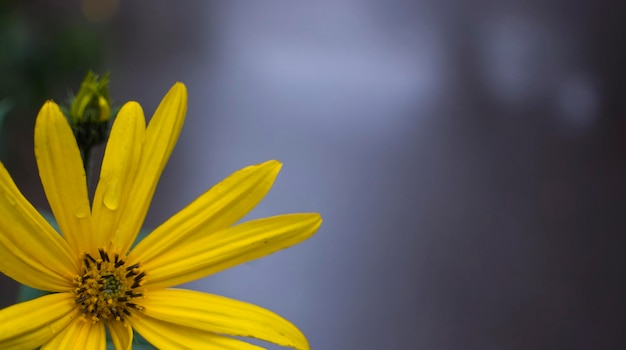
column 108, row 289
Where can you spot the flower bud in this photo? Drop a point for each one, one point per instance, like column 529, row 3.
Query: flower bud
column 90, row 112
column 92, row 104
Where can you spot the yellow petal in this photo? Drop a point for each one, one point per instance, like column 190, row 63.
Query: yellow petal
column 166, row 335
column 216, row 314
column 119, row 167
column 30, row 324
column 32, row 252
column 218, row 208
column 202, row 256
column 79, row 335
column 121, row 335
column 63, row 177
column 160, row 139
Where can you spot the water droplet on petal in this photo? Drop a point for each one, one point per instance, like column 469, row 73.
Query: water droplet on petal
column 111, row 198
column 81, row 210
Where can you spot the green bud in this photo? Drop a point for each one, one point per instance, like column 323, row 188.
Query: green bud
column 92, row 103
column 90, row 114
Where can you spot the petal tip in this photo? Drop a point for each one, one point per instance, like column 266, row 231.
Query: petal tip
column 179, row 89
column 175, row 98
column 274, row 164
column 131, row 107
column 317, row 218
column 179, row 84
column 49, row 108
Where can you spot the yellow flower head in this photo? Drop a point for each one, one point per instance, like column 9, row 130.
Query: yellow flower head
column 94, row 277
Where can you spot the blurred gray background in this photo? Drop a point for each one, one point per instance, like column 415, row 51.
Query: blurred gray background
column 468, row 158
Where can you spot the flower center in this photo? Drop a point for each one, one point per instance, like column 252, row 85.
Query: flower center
column 107, row 287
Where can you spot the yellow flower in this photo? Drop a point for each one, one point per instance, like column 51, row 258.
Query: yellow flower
column 95, row 279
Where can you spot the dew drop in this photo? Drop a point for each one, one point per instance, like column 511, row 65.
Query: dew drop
column 81, row 211
column 111, row 198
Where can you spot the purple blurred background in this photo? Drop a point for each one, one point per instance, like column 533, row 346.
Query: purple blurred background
column 468, row 158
